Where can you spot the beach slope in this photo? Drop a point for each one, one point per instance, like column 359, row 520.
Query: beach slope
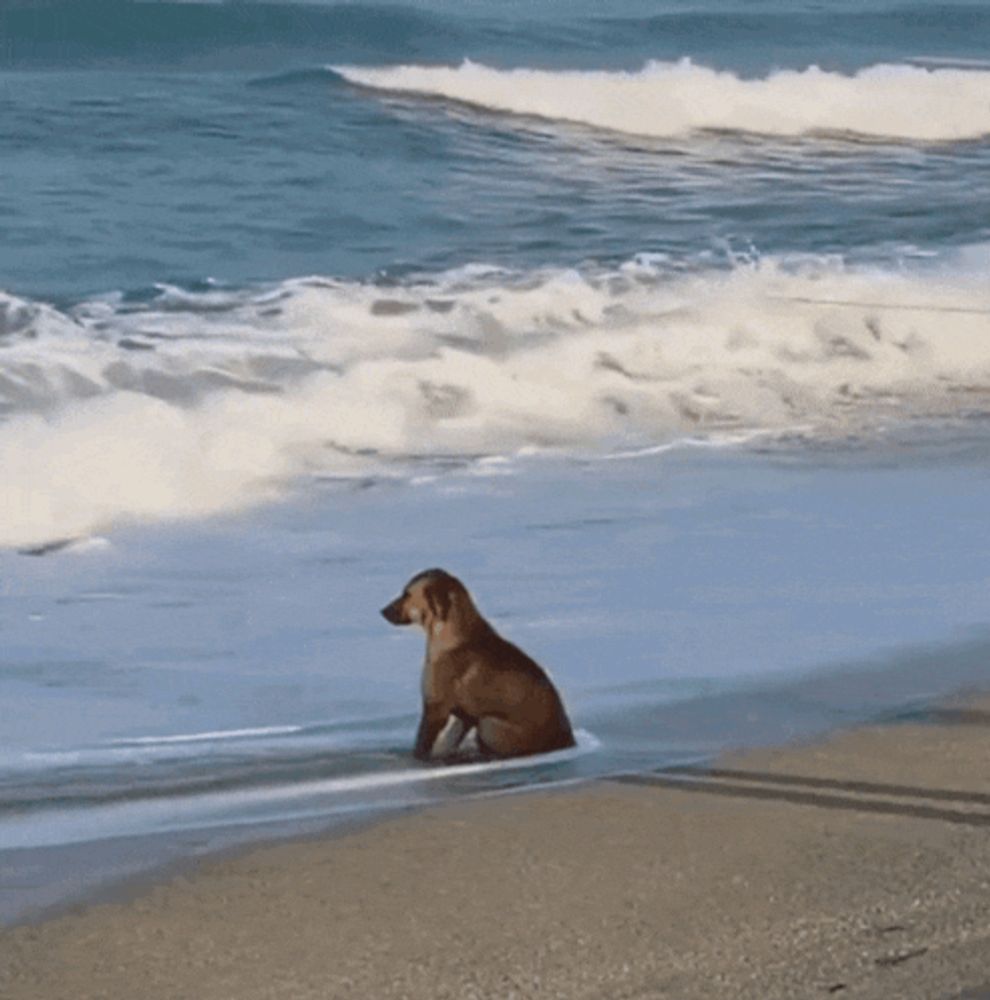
column 858, row 867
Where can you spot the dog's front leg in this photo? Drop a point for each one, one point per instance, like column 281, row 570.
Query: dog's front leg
column 435, row 715
column 449, row 739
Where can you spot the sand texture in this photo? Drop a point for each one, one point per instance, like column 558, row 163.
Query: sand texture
column 859, row 867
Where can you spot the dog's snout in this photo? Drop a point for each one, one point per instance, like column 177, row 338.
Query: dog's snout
column 393, row 612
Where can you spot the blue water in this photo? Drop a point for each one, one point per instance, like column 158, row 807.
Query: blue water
column 666, row 324
column 174, row 142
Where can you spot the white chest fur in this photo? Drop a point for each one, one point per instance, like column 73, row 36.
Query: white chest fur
column 426, row 679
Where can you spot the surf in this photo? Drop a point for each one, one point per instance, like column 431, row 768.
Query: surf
column 667, row 99
column 231, row 407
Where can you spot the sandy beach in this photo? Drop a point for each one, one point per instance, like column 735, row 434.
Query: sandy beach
column 855, row 867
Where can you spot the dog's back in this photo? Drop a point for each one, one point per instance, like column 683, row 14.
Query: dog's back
column 517, row 706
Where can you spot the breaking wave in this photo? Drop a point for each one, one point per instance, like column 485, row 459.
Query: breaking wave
column 664, row 99
column 195, row 403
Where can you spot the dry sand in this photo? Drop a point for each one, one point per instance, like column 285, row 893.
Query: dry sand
column 859, row 867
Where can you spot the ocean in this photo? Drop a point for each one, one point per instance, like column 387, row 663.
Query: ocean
column 664, row 325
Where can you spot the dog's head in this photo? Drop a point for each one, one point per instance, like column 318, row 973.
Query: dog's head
column 427, row 598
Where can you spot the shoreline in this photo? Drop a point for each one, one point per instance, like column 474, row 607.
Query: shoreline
column 858, row 865
column 793, row 600
column 108, row 869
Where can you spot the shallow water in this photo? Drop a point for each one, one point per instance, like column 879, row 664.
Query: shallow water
column 207, row 681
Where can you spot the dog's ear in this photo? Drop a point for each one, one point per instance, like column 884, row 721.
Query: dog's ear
column 437, row 596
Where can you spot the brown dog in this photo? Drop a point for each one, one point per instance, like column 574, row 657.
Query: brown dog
column 473, row 678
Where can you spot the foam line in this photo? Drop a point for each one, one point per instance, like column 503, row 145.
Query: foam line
column 207, row 737
column 203, row 811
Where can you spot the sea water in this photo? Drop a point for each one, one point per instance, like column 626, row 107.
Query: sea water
column 665, row 325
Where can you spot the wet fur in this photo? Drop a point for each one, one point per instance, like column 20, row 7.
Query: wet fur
column 473, row 679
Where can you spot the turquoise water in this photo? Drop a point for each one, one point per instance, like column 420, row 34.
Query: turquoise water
column 177, row 142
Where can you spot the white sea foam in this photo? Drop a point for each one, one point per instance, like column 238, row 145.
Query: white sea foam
column 210, row 736
column 231, row 406
column 901, row 102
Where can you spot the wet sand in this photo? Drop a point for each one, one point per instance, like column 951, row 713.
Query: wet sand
column 856, row 867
